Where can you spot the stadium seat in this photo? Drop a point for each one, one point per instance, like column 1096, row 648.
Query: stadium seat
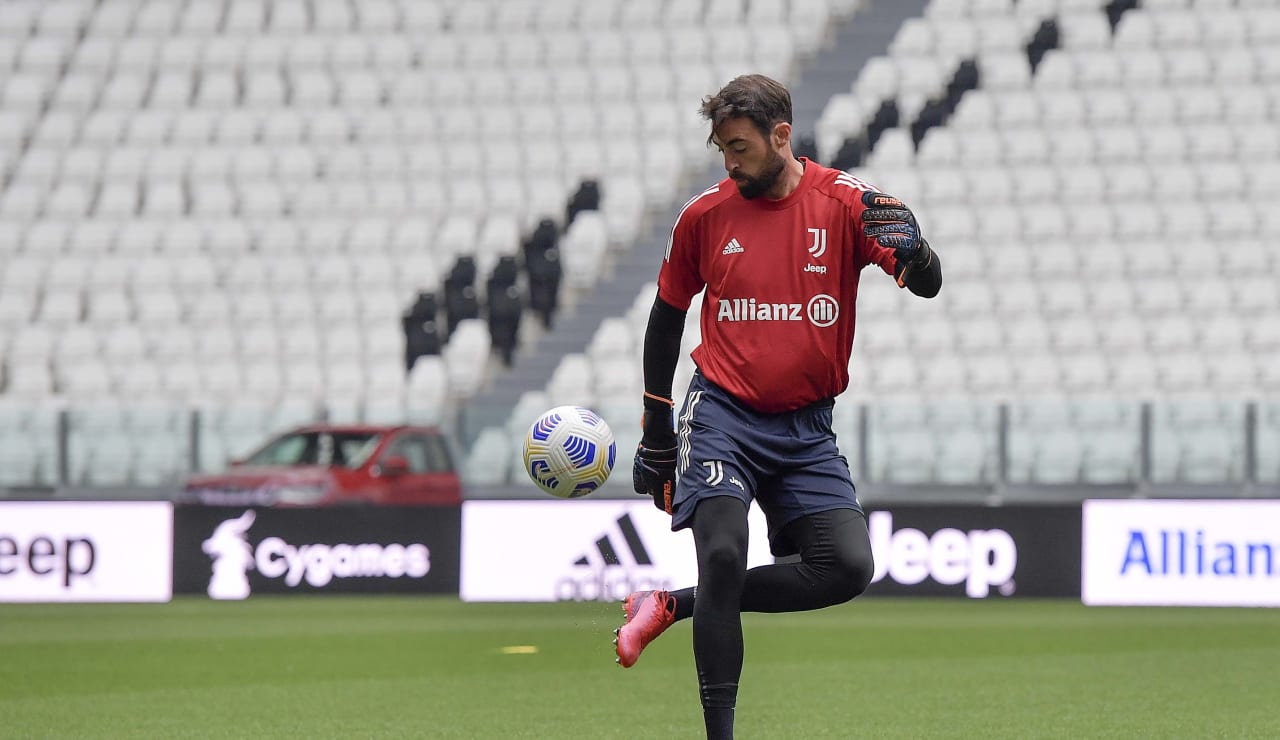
column 479, row 468
column 467, row 349
column 571, row 381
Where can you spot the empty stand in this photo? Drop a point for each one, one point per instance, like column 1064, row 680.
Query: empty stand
column 1092, row 193
column 281, row 171
column 212, row 215
column 1107, row 262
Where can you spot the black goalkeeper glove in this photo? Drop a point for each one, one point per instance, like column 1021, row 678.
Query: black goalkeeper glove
column 654, row 472
column 894, row 226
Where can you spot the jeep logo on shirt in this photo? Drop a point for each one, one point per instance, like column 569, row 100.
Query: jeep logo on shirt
column 822, row 310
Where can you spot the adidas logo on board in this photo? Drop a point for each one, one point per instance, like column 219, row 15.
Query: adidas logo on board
column 609, row 553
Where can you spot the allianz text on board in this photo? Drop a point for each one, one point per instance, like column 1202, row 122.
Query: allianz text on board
column 1181, row 553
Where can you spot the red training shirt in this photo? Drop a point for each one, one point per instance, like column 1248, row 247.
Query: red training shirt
column 782, row 280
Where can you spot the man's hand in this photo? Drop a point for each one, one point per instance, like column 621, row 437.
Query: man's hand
column 654, row 475
column 893, row 225
column 654, row 471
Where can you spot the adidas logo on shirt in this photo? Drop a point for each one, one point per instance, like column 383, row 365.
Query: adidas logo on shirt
column 733, row 247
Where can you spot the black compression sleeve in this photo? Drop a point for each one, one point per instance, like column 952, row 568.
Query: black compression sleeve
column 926, row 281
column 662, row 347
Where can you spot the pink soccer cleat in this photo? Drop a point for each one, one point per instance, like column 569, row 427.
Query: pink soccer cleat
column 648, row 614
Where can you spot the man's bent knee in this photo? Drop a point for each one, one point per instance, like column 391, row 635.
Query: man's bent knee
column 723, row 558
column 849, row 564
column 720, row 537
column 843, row 573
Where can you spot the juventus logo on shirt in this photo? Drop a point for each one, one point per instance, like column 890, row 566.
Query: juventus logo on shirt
column 819, row 245
column 816, row 250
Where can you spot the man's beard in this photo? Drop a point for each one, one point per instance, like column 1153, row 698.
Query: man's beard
column 754, row 187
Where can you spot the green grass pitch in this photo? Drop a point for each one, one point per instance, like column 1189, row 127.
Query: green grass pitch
column 384, row 667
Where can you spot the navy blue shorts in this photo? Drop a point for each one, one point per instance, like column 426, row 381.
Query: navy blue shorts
column 788, row 463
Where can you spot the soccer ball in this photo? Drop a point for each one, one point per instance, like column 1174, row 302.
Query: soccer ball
column 569, row 451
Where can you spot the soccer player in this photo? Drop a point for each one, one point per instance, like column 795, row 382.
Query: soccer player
column 778, row 246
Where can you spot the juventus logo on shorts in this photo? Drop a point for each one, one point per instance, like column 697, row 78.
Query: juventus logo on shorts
column 715, row 475
column 717, row 472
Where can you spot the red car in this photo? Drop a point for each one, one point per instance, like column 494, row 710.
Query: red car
column 333, row 465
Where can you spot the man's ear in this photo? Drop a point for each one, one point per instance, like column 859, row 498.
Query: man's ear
column 781, row 135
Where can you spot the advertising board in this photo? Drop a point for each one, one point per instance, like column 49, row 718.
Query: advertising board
column 579, row 550
column 975, row 551
column 1181, row 553
column 67, row 551
column 234, row 552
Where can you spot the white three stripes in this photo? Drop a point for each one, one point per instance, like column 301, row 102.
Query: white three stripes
column 844, row 178
column 682, row 437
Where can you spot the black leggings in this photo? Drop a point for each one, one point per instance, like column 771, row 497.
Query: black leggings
column 835, row 566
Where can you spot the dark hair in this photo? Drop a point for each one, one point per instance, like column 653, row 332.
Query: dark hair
column 761, row 99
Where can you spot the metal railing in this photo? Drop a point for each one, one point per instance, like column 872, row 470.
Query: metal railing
column 1028, row 441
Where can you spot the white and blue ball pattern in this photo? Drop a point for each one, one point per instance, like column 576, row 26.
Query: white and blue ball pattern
column 569, row 451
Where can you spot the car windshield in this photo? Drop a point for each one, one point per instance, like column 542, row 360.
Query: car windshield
column 342, row 449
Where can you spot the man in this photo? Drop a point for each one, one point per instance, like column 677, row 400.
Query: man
column 778, row 246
